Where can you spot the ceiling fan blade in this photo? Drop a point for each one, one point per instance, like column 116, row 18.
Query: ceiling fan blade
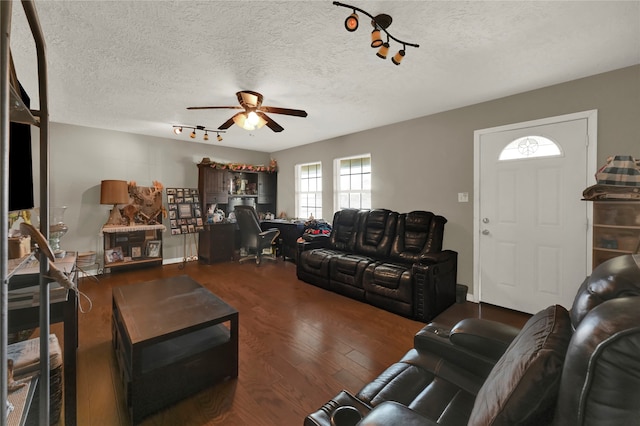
column 228, row 123
column 216, row 107
column 249, row 99
column 285, row 111
column 270, row 123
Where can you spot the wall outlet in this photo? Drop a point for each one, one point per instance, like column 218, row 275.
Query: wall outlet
column 463, row 197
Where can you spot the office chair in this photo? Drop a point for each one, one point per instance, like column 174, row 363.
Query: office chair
column 252, row 238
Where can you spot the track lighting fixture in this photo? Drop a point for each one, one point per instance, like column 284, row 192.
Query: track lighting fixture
column 380, row 23
column 351, row 23
column 178, row 129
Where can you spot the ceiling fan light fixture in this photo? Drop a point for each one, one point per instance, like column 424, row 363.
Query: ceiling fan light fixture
column 376, row 39
column 351, row 23
column 397, row 58
column 252, row 118
column 383, row 51
column 241, row 120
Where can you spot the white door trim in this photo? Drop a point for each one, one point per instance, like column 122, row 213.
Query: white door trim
column 592, row 145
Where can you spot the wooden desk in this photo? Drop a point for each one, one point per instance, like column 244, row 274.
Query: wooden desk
column 65, row 311
column 217, row 243
column 289, row 234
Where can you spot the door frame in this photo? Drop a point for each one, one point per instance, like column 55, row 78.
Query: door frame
column 592, row 147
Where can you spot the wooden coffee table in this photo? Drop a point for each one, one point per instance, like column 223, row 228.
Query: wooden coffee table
column 172, row 337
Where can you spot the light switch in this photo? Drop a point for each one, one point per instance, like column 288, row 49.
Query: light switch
column 463, row 197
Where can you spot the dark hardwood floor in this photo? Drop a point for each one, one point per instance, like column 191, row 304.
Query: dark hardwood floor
column 299, row 346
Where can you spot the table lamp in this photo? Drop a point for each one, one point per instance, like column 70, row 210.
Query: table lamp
column 114, row 192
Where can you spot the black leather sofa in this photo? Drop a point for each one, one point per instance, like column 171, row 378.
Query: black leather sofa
column 391, row 260
column 577, row 367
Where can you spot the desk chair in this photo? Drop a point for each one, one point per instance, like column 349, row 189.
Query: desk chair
column 252, row 238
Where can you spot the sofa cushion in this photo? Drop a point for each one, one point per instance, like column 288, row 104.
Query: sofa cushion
column 344, row 230
column 417, row 233
column 522, row 388
column 376, row 231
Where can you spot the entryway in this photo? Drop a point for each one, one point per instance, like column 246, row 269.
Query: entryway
column 532, row 238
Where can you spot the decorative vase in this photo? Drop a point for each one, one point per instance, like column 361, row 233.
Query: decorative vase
column 57, row 229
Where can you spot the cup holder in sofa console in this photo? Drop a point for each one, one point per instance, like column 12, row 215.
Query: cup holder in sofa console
column 438, row 331
column 345, row 416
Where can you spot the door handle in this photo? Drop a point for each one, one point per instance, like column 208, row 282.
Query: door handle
column 485, row 232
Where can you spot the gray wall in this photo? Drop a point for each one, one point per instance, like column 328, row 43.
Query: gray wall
column 419, row 164
column 81, row 157
column 423, row 163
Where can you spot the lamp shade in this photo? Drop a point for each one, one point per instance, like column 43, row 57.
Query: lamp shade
column 114, row 192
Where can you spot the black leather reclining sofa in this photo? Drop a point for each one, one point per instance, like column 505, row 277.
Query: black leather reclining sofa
column 390, row 260
column 563, row 368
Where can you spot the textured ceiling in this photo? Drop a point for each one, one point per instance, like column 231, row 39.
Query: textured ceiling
column 135, row 66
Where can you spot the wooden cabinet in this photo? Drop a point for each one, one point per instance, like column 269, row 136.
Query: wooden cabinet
column 213, row 185
column 227, row 188
column 127, row 247
column 217, row 243
column 267, row 188
column 616, row 229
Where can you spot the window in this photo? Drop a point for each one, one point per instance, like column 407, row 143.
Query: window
column 530, row 147
column 309, row 190
column 353, row 183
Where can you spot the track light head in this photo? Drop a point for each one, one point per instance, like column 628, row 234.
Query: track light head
column 219, row 138
column 376, row 39
column 384, row 50
column 177, row 130
column 193, row 134
column 351, row 23
column 206, row 136
column 397, row 58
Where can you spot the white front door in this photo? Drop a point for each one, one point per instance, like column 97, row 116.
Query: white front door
column 532, row 238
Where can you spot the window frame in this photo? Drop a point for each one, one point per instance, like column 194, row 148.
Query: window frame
column 298, row 190
column 367, row 192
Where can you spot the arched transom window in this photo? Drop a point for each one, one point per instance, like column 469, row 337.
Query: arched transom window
column 530, row 147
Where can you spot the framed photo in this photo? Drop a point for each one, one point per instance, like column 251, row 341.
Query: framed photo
column 153, row 248
column 113, row 255
column 136, row 251
column 184, row 211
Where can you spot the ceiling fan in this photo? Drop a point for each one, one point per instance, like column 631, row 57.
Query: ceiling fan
column 254, row 115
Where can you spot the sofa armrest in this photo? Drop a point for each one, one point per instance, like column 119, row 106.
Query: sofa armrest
column 436, row 340
column 434, row 285
column 391, row 413
column 323, row 416
column 313, row 244
column 438, row 257
column 485, row 337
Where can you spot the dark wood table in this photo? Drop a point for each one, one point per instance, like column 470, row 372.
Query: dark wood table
column 172, row 338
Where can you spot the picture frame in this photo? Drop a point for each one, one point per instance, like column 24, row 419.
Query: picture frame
column 136, row 251
column 113, row 255
column 153, row 248
column 184, row 211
